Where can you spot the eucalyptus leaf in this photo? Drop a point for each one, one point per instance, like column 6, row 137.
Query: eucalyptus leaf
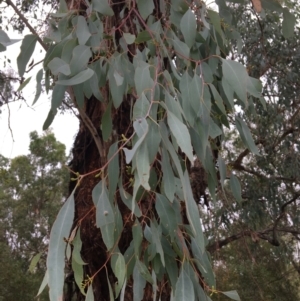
column 27, row 48
column 56, row 252
column 77, row 79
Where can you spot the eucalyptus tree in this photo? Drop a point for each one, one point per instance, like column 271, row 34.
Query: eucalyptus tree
column 154, row 88
column 32, row 189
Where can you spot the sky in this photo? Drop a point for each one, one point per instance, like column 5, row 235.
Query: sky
column 19, row 119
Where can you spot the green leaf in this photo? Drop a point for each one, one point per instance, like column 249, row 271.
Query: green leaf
column 153, row 141
column 77, row 79
column 129, row 38
column 102, row 7
column 82, row 30
column 232, row 295
column 288, row 24
column 58, row 95
column 127, row 200
column 236, row 76
column 141, row 128
column 90, row 294
column 143, row 165
column 119, row 269
column 2, row 47
column 34, row 262
column 215, row 20
column 67, row 50
column 141, row 107
column 105, row 218
column 80, row 57
column 79, row 95
column 166, row 214
column 38, row 91
column 193, row 212
column 139, row 284
column 113, row 169
column 27, row 48
column 222, row 170
column 137, row 235
column 106, row 123
column 272, row 5
column 156, row 239
column 214, row 129
column 188, row 27
column 145, row 8
column 142, row 37
column 57, row 66
column 4, row 37
column 181, row 48
column 254, row 86
column 246, row 135
column 118, row 78
column 236, row 188
column 44, row 283
column 49, row 119
column 181, row 134
column 168, row 176
column 217, row 98
column 56, row 251
column 142, row 79
column 111, row 294
column 24, row 84
column 184, row 287
column 77, row 244
column 144, row 271
column 78, row 274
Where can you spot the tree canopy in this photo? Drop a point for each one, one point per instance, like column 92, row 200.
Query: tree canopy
column 188, row 143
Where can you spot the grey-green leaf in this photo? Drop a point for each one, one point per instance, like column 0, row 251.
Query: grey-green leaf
column 57, row 66
column 288, row 24
column 246, row 135
column 232, row 295
column 24, row 84
column 38, row 91
column 181, row 133
column 129, row 38
column 236, row 188
column 49, row 119
column 166, row 214
column 145, row 8
column 184, row 288
column 102, row 7
column 57, row 96
column 4, row 37
column 27, row 48
column 82, row 30
column 56, row 251
column 90, row 294
column 78, row 78
column 188, row 27
column 236, row 76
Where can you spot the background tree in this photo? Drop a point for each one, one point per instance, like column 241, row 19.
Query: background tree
column 32, row 189
column 155, row 77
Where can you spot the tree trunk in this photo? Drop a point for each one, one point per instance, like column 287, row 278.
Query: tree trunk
column 86, row 159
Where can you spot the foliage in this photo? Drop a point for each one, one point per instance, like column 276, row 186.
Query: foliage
column 157, row 78
column 257, row 270
column 31, row 191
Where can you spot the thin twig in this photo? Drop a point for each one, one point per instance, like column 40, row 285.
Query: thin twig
column 9, row 2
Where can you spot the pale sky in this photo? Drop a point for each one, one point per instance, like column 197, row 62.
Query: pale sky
column 24, row 118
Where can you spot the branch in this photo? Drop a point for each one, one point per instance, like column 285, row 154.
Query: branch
column 253, row 234
column 281, row 215
column 9, row 2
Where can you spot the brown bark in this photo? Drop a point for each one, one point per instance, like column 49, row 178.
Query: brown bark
column 86, row 159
